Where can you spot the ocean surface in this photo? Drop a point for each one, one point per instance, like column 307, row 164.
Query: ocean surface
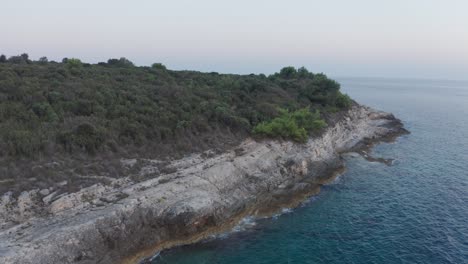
column 415, row 211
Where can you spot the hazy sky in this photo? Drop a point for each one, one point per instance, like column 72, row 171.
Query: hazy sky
column 388, row 38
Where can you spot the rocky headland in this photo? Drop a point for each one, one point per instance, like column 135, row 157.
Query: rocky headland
column 202, row 194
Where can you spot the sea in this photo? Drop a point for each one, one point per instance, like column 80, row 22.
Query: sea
column 414, row 211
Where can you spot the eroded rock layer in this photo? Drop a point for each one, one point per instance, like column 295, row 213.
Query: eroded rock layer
column 124, row 222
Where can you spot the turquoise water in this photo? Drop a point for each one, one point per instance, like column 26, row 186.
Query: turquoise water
column 415, row 211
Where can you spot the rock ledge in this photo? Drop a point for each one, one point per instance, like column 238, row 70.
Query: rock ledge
column 124, row 222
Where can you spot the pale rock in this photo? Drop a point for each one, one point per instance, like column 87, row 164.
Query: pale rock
column 205, row 191
column 44, row 192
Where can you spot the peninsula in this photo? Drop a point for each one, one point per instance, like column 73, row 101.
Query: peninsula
column 110, row 162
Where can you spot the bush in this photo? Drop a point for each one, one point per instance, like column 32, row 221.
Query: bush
column 158, row 66
column 310, row 121
column 343, row 101
column 288, row 72
column 74, row 63
column 296, row 125
column 85, row 136
column 302, row 72
column 43, row 60
column 88, row 137
column 22, row 143
column 17, row 59
column 75, row 107
column 122, row 62
column 45, row 112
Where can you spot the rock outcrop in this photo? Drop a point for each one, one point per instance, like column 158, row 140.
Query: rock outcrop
column 124, row 222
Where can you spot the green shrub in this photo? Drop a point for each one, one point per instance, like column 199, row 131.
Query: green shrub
column 77, row 107
column 310, row 121
column 343, row 101
column 74, row 63
column 85, row 136
column 88, row 137
column 22, row 143
column 45, row 112
column 291, row 125
column 159, row 66
column 288, row 72
column 122, row 62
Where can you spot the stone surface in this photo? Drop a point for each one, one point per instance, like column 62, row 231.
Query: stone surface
column 124, row 221
column 44, row 192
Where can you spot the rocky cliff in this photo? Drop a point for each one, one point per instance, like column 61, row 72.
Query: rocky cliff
column 124, row 222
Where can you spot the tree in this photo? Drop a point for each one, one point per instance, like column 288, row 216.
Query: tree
column 142, row 107
column 321, row 90
column 88, row 137
column 3, row 58
column 25, row 57
column 45, row 112
column 17, row 60
column 43, row 60
column 343, row 100
column 122, row 62
column 159, row 66
column 302, row 72
column 288, row 72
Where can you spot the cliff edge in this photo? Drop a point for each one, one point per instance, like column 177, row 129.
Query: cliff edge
column 126, row 222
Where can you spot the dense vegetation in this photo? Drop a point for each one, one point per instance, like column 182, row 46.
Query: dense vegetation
column 49, row 108
column 295, row 125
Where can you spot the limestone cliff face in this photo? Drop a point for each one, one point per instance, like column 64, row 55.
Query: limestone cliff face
column 126, row 221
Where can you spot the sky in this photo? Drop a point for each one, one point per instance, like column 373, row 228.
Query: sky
column 361, row 38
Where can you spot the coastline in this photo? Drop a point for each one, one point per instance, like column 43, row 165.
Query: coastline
column 362, row 148
column 258, row 210
column 204, row 196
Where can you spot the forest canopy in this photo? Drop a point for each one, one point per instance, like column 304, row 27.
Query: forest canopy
column 67, row 107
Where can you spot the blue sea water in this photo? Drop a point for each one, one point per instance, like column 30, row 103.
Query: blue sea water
column 415, row 211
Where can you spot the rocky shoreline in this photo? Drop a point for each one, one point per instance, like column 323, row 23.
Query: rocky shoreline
column 126, row 222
